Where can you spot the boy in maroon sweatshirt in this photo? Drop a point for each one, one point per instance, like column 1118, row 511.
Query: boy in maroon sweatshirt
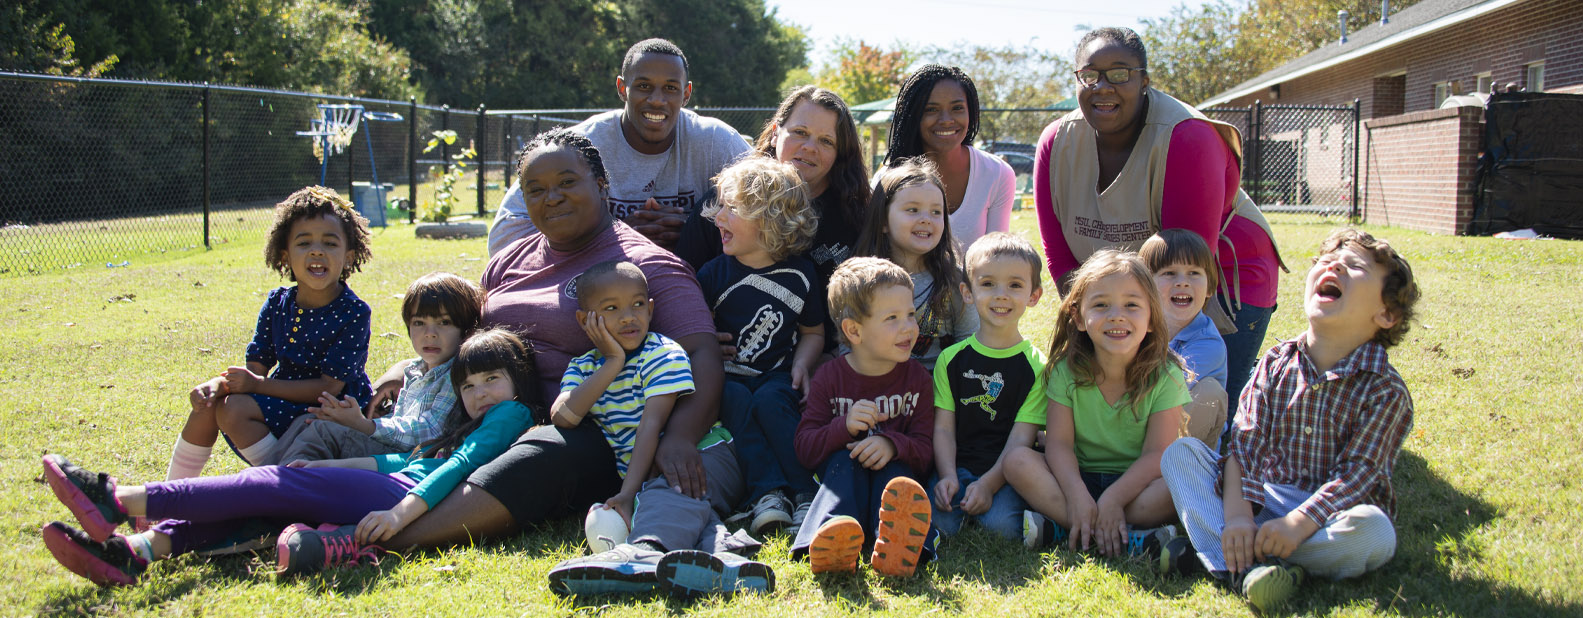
column 867, row 430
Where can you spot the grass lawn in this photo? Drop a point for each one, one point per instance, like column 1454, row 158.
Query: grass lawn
column 96, row 364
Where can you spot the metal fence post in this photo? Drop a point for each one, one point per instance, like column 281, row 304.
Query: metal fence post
column 1255, row 126
column 206, row 165
column 445, row 149
column 478, row 140
column 412, row 160
column 351, row 167
column 1357, row 145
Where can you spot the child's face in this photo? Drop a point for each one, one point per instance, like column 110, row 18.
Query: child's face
column 434, row 338
column 1183, row 289
column 316, row 251
column 739, row 236
column 1345, row 288
column 917, row 221
column 1114, row 312
column 890, row 329
column 626, row 308
column 1001, row 289
column 482, row 390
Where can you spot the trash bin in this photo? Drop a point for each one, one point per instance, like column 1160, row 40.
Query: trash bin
column 370, row 201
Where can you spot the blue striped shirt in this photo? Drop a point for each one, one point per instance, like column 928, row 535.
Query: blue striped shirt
column 657, row 368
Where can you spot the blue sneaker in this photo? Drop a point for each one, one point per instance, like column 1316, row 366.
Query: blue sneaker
column 690, row 575
column 627, row 569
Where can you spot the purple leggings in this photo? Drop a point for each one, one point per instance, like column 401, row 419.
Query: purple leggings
column 200, row 512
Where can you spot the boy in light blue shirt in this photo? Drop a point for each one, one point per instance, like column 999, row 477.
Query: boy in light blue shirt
column 1186, row 275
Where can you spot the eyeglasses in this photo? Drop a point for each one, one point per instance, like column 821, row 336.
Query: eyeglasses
column 1090, row 77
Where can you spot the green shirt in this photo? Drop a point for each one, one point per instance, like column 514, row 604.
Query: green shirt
column 1109, row 438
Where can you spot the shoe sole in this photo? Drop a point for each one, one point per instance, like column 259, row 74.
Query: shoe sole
column 1269, row 589
column 81, row 561
column 836, row 547
column 1032, row 529
column 903, row 528
column 690, row 575
column 283, row 553
column 593, row 580
column 771, row 523
column 84, row 509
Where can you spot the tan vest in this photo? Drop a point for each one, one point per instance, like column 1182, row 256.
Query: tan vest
column 1128, row 211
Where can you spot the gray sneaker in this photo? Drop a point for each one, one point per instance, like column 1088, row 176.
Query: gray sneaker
column 301, row 549
column 804, row 502
column 627, row 569
column 771, row 514
column 690, row 574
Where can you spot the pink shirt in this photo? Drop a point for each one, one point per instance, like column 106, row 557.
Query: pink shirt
column 906, row 394
column 1201, row 179
column 532, row 291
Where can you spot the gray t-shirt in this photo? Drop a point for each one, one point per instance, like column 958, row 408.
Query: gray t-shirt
column 677, row 177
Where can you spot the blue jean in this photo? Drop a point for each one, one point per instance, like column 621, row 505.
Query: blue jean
column 761, row 413
column 1243, row 349
column 1004, row 516
column 848, row 488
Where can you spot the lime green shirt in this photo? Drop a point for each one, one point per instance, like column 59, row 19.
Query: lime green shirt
column 1109, row 438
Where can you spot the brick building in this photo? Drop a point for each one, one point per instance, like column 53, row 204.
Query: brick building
column 1417, row 159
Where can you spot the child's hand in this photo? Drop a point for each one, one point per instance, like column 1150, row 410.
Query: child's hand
column 874, row 452
column 945, row 491
column 799, row 375
column 378, row 526
column 1279, row 537
column 1236, row 543
column 204, row 396
column 343, row 411
column 977, row 498
column 594, row 327
column 301, row 463
column 622, row 503
column 1110, row 525
column 862, row 416
column 240, row 380
column 728, row 351
column 1081, row 512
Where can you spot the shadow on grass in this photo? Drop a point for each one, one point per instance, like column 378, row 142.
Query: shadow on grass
column 1437, row 527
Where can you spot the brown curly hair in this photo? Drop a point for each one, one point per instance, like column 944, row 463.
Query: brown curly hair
column 311, row 203
column 1399, row 290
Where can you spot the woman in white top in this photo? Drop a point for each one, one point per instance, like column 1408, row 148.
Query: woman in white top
column 936, row 115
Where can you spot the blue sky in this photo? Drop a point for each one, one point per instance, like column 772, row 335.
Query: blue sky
column 922, row 23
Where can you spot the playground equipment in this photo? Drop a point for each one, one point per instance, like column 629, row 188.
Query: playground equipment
column 332, row 134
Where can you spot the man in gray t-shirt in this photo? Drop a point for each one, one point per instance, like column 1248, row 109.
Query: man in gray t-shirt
column 660, row 157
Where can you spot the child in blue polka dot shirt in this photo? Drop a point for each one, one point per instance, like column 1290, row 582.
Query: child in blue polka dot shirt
column 312, row 337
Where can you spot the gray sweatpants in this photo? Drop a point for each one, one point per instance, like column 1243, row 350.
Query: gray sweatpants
column 322, row 440
column 670, row 518
column 1352, row 542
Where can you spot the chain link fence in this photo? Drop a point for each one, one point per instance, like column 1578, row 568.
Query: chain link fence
column 101, row 173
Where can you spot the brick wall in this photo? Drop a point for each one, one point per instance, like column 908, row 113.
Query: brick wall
column 1418, row 169
column 1501, row 43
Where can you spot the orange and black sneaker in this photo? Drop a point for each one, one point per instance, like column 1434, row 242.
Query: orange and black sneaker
column 836, row 546
column 903, row 527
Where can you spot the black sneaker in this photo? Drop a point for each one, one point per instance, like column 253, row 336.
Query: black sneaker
column 111, row 563
column 89, row 495
column 1039, row 531
column 771, row 514
column 1269, row 585
column 1166, row 551
column 627, row 569
column 804, row 503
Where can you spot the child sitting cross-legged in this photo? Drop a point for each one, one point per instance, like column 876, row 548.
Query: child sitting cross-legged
column 1186, row 274
column 867, row 429
column 628, row 385
column 983, row 387
column 1305, row 486
column 441, row 310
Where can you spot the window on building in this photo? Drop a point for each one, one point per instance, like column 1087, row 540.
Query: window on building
column 1536, row 77
column 1485, row 81
column 1442, row 91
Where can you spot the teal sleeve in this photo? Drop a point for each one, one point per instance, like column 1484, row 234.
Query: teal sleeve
column 501, row 426
column 390, row 462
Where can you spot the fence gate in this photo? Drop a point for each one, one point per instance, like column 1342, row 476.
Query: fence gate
column 1298, row 161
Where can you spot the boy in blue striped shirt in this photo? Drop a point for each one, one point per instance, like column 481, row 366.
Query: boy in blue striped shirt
column 675, row 542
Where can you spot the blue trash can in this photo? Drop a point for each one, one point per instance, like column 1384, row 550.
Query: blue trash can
column 370, row 202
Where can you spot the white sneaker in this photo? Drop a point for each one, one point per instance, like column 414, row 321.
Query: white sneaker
column 604, row 528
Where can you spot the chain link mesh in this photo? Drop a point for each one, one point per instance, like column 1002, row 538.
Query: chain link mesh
column 103, row 173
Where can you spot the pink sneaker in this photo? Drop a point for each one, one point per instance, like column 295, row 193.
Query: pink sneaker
column 89, row 495
column 301, row 549
column 111, row 563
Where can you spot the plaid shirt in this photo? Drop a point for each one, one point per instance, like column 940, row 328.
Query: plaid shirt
column 426, row 399
column 1335, row 434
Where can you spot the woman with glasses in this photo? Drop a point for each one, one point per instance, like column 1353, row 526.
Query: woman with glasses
column 1132, row 161
column 936, row 115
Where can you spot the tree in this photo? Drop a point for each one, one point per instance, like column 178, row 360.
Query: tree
column 1012, row 77
column 863, row 73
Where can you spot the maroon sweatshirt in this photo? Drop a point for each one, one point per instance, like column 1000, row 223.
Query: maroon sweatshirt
column 905, row 395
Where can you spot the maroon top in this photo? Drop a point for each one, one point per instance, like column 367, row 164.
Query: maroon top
column 906, row 395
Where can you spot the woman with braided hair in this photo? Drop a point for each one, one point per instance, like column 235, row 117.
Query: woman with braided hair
column 936, row 116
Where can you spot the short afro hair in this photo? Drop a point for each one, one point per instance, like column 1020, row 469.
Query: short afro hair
column 312, row 203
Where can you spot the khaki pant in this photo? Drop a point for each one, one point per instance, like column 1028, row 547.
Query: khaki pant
column 1206, row 414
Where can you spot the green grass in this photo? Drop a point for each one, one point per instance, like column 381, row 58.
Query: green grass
column 1491, row 508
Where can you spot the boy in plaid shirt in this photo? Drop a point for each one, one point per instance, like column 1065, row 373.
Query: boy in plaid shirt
column 1305, row 486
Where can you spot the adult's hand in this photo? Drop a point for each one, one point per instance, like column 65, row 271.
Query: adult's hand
column 660, row 223
column 678, row 460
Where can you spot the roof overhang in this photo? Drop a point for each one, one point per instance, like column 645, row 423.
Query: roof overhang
column 1445, row 21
